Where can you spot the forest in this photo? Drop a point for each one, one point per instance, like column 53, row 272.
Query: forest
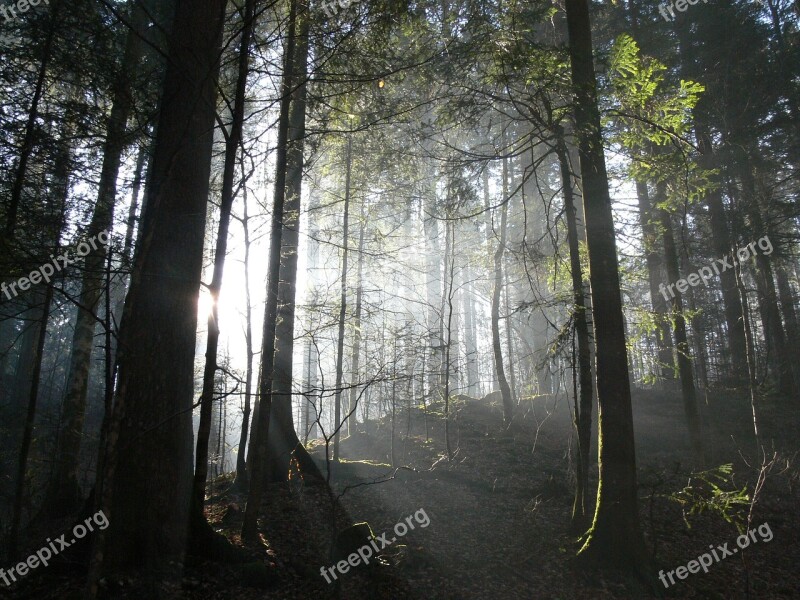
column 404, row 299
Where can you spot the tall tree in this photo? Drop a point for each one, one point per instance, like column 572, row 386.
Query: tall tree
column 505, row 389
column 146, row 487
column 615, row 536
column 64, row 494
column 233, row 139
column 260, row 443
column 685, row 370
column 342, row 300
column 583, row 409
column 283, row 440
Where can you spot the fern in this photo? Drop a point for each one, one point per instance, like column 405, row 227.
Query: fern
column 714, row 491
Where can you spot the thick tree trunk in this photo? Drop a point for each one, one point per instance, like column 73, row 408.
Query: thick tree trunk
column 148, row 467
column 264, row 408
column 232, row 142
column 283, row 441
column 615, row 537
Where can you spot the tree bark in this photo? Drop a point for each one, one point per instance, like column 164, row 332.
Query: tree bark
column 261, row 428
column 615, row 537
column 283, row 440
column 147, row 483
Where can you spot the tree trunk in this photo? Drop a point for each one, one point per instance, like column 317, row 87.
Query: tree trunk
column 283, row 440
column 27, row 435
column 232, row 141
column 721, row 243
column 148, row 466
column 685, row 371
column 505, row 390
column 342, row 301
column 450, row 276
column 615, row 537
column 720, row 234
column 774, row 334
column 261, row 428
column 470, row 337
column 31, row 356
column 64, row 495
column 656, row 275
column 583, row 413
column 356, row 357
column 512, row 379
column 433, row 289
column 789, row 313
column 241, row 455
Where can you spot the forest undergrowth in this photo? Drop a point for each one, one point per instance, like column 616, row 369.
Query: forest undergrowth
column 499, row 511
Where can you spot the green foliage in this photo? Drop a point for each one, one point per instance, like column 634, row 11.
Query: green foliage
column 714, row 491
column 652, row 119
column 649, row 110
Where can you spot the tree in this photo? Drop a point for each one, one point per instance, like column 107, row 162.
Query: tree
column 232, row 142
column 264, row 408
column 64, row 495
column 583, row 408
column 505, row 390
column 146, row 493
column 615, row 536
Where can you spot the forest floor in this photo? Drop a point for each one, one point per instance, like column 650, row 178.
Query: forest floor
column 499, row 510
